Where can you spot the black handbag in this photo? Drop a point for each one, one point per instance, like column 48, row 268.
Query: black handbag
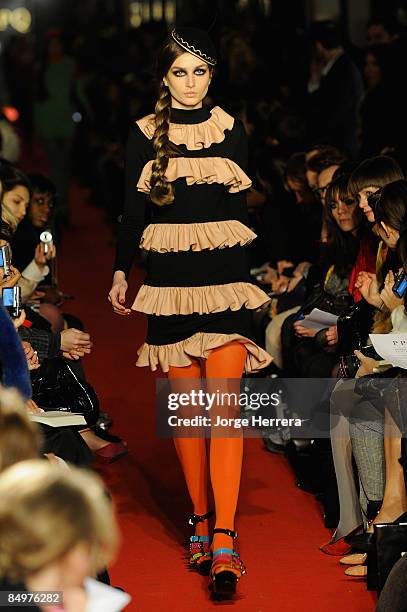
column 354, row 325
column 55, row 386
column 319, row 298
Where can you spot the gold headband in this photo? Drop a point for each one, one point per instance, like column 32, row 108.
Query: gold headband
column 191, row 49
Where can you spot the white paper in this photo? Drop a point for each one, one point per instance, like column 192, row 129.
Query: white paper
column 319, row 319
column 104, row 598
column 392, row 348
column 58, row 418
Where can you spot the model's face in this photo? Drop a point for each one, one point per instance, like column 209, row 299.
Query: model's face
column 188, row 81
column 16, row 201
column 346, row 214
column 40, row 209
column 364, row 204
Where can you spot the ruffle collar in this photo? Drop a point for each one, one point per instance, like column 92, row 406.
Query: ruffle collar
column 194, row 136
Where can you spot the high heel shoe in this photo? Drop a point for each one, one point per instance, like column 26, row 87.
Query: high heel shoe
column 363, row 541
column 356, row 571
column 227, row 568
column 354, row 559
column 200, row 555
column 340, row 547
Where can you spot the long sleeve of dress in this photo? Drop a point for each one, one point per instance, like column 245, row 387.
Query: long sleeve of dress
column 138, row 153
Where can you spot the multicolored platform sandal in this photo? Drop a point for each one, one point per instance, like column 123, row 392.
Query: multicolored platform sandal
column 200, row 555
column 227, row 568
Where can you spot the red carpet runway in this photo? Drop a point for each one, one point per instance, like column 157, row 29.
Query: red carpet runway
column 280, row 526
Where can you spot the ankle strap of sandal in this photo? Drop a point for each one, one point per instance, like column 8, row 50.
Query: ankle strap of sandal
column 229, row 532
column 199, row 518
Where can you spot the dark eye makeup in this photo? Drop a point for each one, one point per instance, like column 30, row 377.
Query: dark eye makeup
column 197, row 71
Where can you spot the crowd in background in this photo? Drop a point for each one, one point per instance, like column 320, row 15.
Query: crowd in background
column 327, row 133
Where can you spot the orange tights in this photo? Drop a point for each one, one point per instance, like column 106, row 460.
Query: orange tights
column 225, row 457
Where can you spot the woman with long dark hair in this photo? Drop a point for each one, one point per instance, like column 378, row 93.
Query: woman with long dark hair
column 307, row 353
column 186, row 167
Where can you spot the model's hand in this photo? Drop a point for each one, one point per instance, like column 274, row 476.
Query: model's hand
column 117, row 294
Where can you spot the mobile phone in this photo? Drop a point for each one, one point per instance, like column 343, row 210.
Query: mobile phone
column 5, row 259
column 400, row 285
column 11, row 298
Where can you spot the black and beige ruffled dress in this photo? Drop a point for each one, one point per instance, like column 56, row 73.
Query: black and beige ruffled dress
column 197, row 294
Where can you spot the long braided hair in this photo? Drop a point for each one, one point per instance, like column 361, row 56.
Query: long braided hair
column 161, row 190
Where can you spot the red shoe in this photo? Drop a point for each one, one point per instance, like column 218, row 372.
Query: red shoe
column 112, row 452
column 337, row 549
column 340, row 547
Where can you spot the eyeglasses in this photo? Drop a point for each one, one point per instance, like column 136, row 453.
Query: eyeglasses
column 348, row 202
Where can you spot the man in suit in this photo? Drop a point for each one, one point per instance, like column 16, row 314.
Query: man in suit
column 335, row 91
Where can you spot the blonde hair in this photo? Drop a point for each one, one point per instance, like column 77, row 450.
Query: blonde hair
column 20, row 438
column 8, row 217
column 45, row 512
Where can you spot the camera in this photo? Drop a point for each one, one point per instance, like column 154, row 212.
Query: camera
column 46, row 239
column 400, row 285
column 5, row 259
column 11, row 298
column 350, row 364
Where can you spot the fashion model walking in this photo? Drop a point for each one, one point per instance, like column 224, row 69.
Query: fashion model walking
column 186, row 166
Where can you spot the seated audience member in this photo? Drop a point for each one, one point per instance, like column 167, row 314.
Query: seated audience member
column 390, row 209
column 365, row 180
column 289, row 222
column 369, row 176
column 40, row 343
column 319, row 152
column 359, row 424
column 307, row 353
column 14, row 202
column 57, row 530
column 39, row 216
